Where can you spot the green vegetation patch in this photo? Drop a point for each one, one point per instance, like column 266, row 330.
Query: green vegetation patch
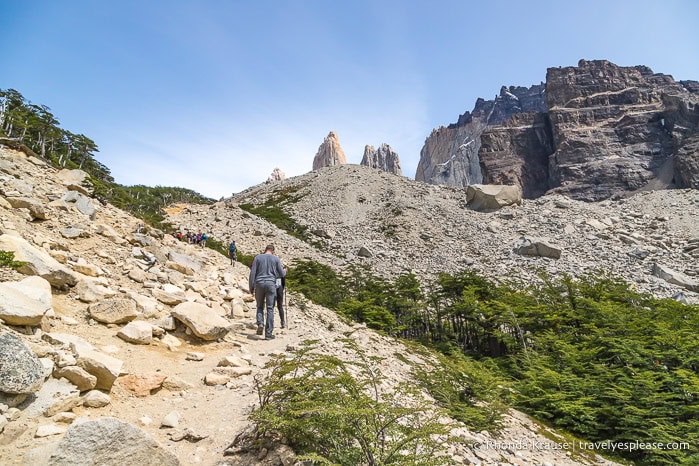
column 590, row 356
column 272, row 210
column 7, row 259
column 333, row 412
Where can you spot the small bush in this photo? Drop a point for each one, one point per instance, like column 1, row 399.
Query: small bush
column 7, row 259
column 333, row 412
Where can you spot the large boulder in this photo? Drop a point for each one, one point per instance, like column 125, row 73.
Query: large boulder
column 81, row 202
column 201, row 320
column 20, row 369
column 489, row 197
column 109, row 441
column 90, row 290
column 676, row 278
column 114, row 310
column 541, row 247
column 25, row 302
column 137, row 332
column 104, row 367
column 37, row 261
column 35, row 208
column 184, row 263
column 75, row 180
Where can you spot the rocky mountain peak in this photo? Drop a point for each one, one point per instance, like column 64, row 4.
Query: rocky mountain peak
column 276, row 175
column 384, row 158
column 329, row 153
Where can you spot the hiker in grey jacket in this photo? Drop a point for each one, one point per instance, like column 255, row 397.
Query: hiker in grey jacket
column 266, row 268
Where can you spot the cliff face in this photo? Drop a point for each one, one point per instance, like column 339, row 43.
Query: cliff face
column 517, row 153
column 595, row 131
column 329, row 153
column 616, row 128
column 384, row 158
column 450, row 154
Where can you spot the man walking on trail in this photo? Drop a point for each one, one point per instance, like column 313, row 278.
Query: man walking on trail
column 266, row 268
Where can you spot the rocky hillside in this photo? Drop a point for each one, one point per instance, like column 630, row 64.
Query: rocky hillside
column 592, row 132
column 108, row 333
column 351, row 214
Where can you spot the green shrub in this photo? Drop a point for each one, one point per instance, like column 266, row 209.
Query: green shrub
column 7, row 259
column 332, row 412
column 472, row 392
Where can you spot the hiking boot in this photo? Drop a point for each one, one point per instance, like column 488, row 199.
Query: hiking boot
column 260, row 329
column 283, row 325
column 270, row 337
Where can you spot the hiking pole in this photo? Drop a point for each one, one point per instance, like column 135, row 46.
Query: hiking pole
column 286, row 309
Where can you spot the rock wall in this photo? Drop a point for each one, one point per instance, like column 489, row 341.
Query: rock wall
column 597, row 130
column 517, row 153
column 611, row 128
column 329, row 153
column 450, row 154
column 384, row 158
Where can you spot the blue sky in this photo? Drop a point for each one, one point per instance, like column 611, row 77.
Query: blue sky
column 212, row 95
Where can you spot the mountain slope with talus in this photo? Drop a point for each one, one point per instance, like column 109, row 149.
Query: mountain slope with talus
column 404, row 225
column 144, row 379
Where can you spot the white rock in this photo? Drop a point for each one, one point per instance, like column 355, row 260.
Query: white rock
column 50, row 429
column 487, row 197
column 93, row 442
column 203, row 322
column 78, row 377
column 25, row 302
column 104, row 367
column 137, row 332
column 171, row 420
column 37, row 261
column 90, row 291
column 96, row 399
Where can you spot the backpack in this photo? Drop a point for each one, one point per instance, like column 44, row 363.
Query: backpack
column 231, row 248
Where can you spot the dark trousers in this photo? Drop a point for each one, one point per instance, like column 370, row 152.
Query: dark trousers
column 265, row 293
column 280, row 305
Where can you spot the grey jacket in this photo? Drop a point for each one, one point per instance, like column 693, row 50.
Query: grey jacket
column 265, row 268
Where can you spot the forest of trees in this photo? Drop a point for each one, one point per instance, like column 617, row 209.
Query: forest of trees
column 35, row 127
column 590, row 356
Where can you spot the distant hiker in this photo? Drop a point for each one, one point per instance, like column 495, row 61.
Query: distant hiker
column 232, row 252
column 139, row 229
column 281, row 289
column 266, row 268
column 203, row 240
